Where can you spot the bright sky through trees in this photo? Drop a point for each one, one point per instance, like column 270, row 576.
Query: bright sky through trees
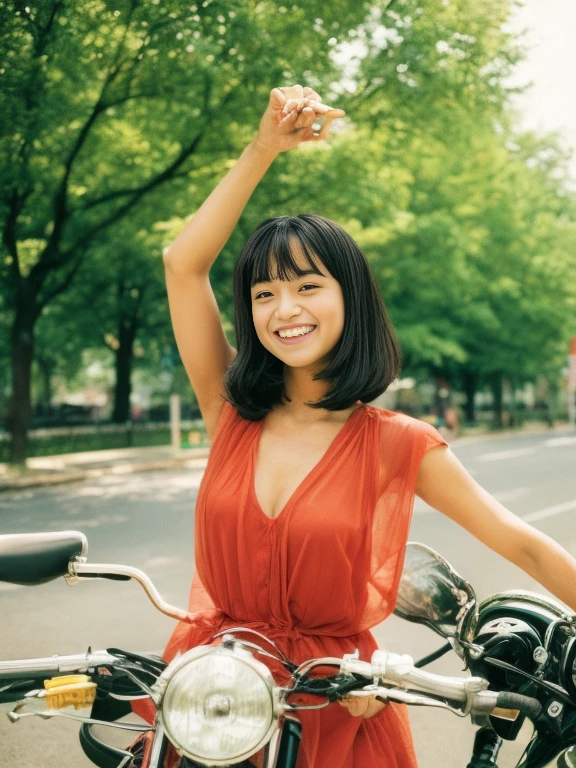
column 550, row 104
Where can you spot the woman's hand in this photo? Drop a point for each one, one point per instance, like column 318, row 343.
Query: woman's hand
column 289, row 118
column 362, row 706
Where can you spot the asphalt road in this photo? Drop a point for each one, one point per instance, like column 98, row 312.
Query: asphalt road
column 146, row 520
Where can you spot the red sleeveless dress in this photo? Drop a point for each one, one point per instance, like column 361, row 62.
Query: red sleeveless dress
column 319, row 576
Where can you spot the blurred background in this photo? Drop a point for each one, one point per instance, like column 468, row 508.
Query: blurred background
column 454, row 171
column 118, row 118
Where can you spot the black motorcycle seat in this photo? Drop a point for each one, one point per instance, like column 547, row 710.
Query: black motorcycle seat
column 35, row 558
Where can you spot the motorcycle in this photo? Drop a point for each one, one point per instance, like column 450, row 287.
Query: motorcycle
column 219, row 705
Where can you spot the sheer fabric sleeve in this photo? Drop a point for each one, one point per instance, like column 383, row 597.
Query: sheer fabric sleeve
column 402, row 443
column 432, row 438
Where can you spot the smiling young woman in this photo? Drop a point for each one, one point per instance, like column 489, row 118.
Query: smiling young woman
column 304, row 509
column 352, row 353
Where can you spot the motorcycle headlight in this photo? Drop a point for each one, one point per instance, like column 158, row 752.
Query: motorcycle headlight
column 217, row 704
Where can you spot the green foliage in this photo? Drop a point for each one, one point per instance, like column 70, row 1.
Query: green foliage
column 117, row 119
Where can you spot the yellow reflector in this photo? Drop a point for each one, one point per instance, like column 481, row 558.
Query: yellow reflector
column 70, row 690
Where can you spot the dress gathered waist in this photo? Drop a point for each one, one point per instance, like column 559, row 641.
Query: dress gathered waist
column 276, row 629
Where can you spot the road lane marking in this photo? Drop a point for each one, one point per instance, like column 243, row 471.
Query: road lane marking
column 559, row 442
column 557, row 509
column 498, row 455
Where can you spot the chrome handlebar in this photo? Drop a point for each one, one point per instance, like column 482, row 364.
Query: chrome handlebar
column 410, row 685
column 54, row 665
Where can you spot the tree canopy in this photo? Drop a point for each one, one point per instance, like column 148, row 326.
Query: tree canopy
column 117, row 119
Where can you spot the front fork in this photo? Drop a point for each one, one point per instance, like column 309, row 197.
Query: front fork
column 289, row 743
column 487, row 744
column 280, row 752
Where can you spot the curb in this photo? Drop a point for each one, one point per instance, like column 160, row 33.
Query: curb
column 57, row 478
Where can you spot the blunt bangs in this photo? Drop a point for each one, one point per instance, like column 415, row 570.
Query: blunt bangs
column 365, row 360
column 278, row 253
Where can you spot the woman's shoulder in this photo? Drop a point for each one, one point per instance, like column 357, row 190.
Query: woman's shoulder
column 394, row 417
column 399, row 422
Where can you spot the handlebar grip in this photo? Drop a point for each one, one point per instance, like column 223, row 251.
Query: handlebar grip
column 525, row 704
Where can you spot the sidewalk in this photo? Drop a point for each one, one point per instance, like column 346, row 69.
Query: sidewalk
column 71, row 467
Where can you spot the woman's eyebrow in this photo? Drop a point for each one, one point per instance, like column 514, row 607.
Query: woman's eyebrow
column 302, row 274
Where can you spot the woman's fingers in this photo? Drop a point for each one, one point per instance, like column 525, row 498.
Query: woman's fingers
column 294, row 104
column 324, row 109
column 365, row 706
column 293, row 92
column 302, row 114
column 310, row 93
column 319, row 109
column 277, row 99
column 299, row 119
column 297, row 97
column 297, row 92
column 289, row 118
column 305, row 118
column 355, row 705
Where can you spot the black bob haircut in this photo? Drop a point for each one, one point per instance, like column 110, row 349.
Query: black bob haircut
column 365, row 360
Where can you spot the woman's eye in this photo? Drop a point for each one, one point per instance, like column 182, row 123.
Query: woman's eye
column 307, row 285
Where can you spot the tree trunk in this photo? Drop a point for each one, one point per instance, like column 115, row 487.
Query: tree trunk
column 497, row 394
column 22, row 350
column 45, row 367
column 123, row 364
column 470, row 386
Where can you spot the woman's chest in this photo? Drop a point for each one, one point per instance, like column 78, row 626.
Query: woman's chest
column 284, row 462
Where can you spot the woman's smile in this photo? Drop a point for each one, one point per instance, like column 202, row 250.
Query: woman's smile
column 295, row 339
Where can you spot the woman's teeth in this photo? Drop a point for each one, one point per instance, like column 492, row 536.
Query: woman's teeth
column 288, row 334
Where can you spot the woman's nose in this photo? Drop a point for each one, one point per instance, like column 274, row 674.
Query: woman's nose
column 287, row 307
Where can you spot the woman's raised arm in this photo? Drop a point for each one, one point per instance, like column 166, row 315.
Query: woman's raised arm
column 204, row 349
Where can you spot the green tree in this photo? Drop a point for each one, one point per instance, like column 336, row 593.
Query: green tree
column 116, row 119
column 105, row 103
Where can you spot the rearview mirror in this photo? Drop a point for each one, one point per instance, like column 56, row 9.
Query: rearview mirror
column 431, row 592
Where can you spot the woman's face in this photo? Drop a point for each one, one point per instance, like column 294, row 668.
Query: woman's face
column 310, row 300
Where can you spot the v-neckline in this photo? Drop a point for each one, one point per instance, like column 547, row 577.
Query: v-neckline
column 327, row 452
